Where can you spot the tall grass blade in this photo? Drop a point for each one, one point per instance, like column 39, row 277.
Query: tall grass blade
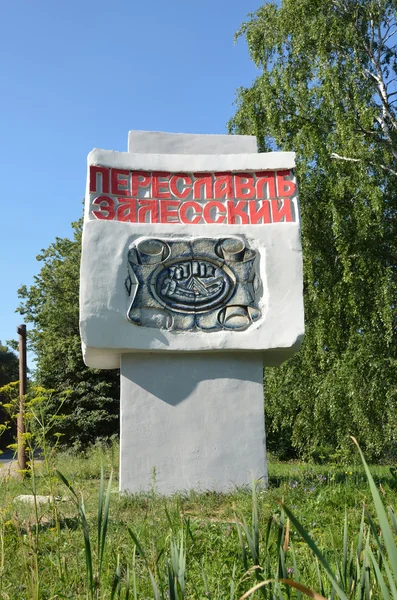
column 390, row 544
column 255, row 523
column 320, row 579
column 374, row 530
column 189, row 532
column 205, row 580
column 281, row 525
column 116, row 587
column 295, row 571
column 393, row 518
column 138, row 546
column 278, row 590
column 242, row 545
column 156, row 592
column 178, row 561
column 286, row 537
column 361, row 536
column 167, row 514
column 251, row 540
column 379, row 577
column 100, row 510
column 127, row 584
column 104, row 524
column 362, row 579
column 390, row 577
column 87, row 548
column 282, row 565
column 268, row 530
column 312, row 545
column 171, row 583
column 135, row 590
column 159, row 555
column 344, row 578
column 367, row 587
column 67, row 484
column 351, row 573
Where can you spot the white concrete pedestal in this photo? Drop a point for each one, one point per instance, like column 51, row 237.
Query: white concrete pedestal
column 191, row 421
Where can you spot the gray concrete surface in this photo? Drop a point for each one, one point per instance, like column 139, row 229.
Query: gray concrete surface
column 191, row 422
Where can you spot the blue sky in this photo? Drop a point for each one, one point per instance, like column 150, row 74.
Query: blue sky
column 80, row 74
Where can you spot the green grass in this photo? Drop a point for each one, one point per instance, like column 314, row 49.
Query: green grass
column 138, row 550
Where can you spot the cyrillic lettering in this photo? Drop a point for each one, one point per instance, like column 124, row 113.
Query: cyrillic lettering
column 187, row 181
column 223, row 186
column 265, row 178
column 158, row 183
column 285, row 187
column 150, row 208
column 283, row 212
column 185, row 206
column 215, row 207
column 139, row 179
column 166, row 214
column 202, row 180
column 236, row 210
column 116, row 182
column 104, row 173
column 259, row 214
column 106, row 205
column 244, row 181
column 126, row 210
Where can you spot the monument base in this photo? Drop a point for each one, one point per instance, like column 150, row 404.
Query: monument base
column 191, row 422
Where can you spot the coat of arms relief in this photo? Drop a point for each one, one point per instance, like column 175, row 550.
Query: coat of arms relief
column 200, row 284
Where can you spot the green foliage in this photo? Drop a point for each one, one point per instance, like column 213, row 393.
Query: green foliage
column 51, row 305
column 326, row 89
column 9, row 365
column 9, row 372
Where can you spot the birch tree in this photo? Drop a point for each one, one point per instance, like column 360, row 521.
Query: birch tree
column 326, row 88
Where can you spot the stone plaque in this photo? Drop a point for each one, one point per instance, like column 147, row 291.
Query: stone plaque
column 200, row 284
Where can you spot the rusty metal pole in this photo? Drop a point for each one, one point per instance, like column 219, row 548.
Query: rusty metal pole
column 23, row 381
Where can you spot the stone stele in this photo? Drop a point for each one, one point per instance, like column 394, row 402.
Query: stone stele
column 191, row 282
